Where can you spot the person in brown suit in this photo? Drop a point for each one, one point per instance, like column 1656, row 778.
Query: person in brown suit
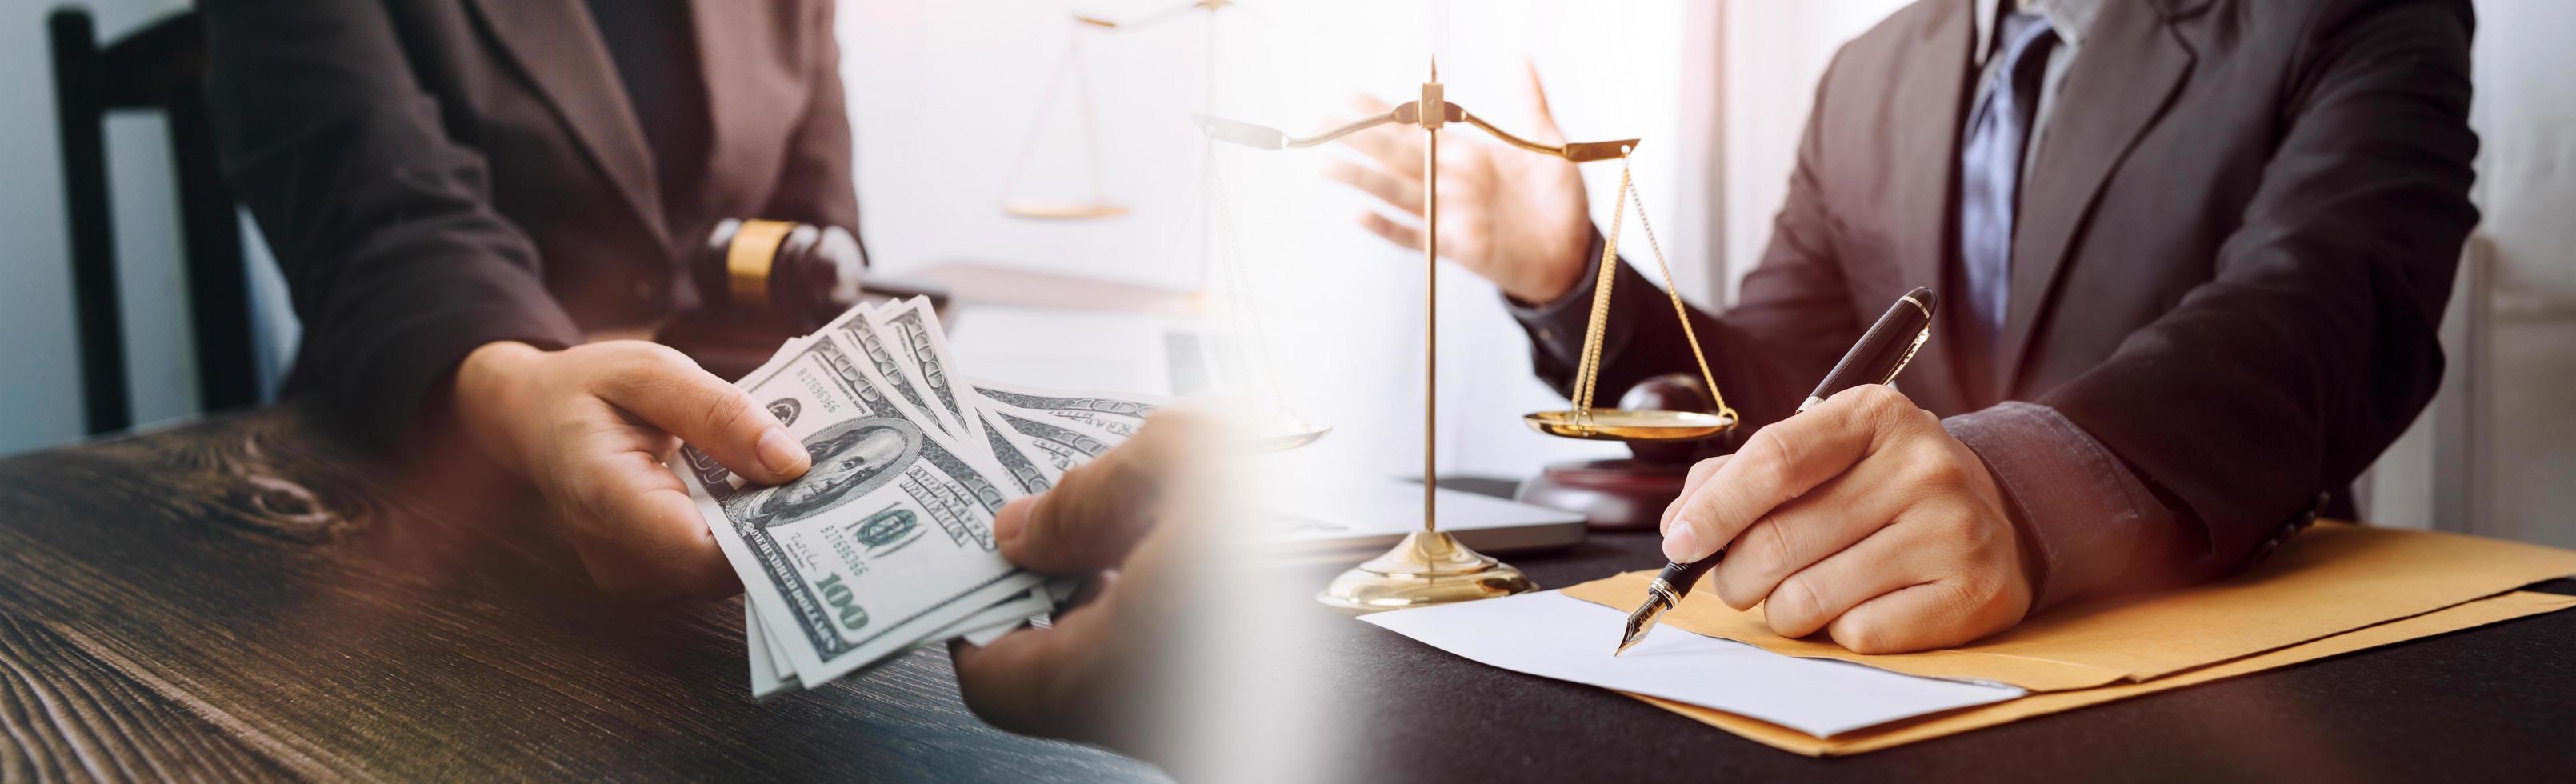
column 2192, row 253
column 460, row 191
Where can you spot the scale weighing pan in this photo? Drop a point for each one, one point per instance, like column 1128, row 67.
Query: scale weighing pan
column 1281, row 437
column 1626, row 424
column 1044, row 209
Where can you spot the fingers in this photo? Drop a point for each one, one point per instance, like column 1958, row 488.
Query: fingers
column 1029, row 681
column 1398, row 233
column 1392, row 147
column 1400, row 192
column 639, row 533
column 1063, row 532
column 1814, row 596
column 1699, row 473
column 667, row 390
column 1782, row 462
column 1918, row 583
column 1837, row 515
column 1087, row 523
column 1920, row 618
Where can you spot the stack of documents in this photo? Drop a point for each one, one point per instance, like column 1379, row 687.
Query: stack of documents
column 887, row 541
column 2332, row 590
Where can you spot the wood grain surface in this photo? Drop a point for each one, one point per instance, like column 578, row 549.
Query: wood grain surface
column 244, row 598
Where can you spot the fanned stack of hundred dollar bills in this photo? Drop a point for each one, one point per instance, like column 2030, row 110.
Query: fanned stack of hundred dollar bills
column 887, row 542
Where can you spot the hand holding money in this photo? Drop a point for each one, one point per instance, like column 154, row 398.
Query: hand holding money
column 1134, row 510
column 890, row 541
column 590, row 427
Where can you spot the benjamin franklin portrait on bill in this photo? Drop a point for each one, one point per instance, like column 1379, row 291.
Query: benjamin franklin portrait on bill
column 850, row 459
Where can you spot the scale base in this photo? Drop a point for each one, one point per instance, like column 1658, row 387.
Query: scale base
column 1625, row 494
column 1427, row 568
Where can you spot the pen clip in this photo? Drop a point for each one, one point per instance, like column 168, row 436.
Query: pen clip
column 1901, row 362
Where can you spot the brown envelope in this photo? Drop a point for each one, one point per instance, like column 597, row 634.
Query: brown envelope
column 2332, row 579
column 2472, row 614
column 2305, row 603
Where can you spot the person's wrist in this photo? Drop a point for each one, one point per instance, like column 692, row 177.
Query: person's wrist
column 1550, row 281
column 487, row 390
column 2028, row 567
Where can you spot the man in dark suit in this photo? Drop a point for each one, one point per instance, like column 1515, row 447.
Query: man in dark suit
column 2194, row 254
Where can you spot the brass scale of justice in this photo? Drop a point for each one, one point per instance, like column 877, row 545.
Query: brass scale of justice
column 1429, row 566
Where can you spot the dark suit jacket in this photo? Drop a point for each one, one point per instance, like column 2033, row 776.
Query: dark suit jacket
column 2232, row 251
column 434, row 175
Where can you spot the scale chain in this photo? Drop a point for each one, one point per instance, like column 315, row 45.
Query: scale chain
column 1595, row 329
column 1679, row 310
column 1587, row 374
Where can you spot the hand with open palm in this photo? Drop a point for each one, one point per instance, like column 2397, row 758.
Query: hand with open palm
column 1516, row 218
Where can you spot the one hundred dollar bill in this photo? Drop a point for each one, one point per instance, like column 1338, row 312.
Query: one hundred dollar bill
column 914, row 327
column 885, row 542
column 772, row 673
column 1025, row 463
column 1118, row 414
column 1060, row 443
column 860, row 328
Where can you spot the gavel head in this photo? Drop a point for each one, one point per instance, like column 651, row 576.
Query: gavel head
column 795, row 275
column 1668, row 392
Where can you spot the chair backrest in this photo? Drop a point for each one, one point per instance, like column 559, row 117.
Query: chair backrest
column 161, row 67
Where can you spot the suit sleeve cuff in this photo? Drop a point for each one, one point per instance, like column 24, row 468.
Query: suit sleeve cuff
column 2090, row 520
column 398, row 380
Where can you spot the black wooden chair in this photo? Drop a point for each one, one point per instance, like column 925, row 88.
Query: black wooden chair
column 161, row 67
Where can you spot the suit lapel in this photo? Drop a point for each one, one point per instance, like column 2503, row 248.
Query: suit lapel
column 1926, row 106
column 557, row 46
column 733, row 48
column 2120, row 82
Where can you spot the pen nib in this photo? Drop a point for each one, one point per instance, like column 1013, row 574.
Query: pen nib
column 1638, row 623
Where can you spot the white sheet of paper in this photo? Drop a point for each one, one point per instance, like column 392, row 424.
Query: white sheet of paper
column 1553, row 635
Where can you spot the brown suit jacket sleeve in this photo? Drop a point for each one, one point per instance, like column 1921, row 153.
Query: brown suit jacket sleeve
column 2316, row 343
column 815, row 185
column 397, row 262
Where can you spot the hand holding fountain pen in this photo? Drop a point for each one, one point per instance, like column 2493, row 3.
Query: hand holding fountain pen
column 1876, row 359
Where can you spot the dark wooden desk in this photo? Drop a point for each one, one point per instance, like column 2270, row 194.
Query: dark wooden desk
column 2496, row 703
column 241, row 599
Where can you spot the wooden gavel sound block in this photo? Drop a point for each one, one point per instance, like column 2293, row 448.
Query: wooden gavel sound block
column 1630, row 493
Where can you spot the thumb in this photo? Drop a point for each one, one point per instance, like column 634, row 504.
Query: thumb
column 1099, row 510
column 1094, row 515
column 667, row 390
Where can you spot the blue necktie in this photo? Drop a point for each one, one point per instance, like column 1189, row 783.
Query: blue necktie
column 1990, row 165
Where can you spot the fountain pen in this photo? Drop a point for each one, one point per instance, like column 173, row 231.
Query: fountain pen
column 1876, row 359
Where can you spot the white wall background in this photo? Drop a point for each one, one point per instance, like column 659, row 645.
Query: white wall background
column 1774, row 53
column 943, row 95
column 2517, row 435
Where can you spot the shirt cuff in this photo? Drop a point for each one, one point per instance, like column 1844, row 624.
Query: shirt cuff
column 2091, row 520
